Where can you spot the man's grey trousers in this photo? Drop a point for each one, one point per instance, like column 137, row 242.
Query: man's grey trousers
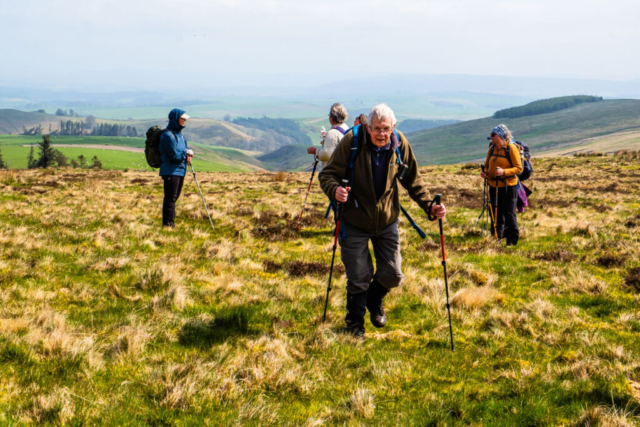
column 357, row 258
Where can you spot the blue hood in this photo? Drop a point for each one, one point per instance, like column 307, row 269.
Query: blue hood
column 174, row 115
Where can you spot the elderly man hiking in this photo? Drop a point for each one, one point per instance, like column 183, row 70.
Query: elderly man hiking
column 175, row 156
column 370, row 211
column 337, row 117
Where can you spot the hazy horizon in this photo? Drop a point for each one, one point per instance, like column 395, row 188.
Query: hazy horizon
column 164, row 45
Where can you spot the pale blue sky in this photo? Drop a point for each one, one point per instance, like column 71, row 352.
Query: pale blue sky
column 145, row 44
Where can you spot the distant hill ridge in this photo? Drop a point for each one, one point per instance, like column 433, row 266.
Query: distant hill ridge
column 545, row 106
column 542, row 132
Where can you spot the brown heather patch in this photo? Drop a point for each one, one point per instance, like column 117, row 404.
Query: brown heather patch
column 244, row 211
column 611, row 260
column 632, row 279
column 313, row 218
column 140, row 181
column 274, row 227
column 301, row 268
column 428, row 245
column 559, row 255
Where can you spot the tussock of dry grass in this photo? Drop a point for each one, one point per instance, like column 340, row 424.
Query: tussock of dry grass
column 476, row 297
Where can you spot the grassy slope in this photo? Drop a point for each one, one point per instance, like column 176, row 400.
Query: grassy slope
column 467, row 140
column 108, row 319
column 13, row 121
column 289, row 158
column 15, row 150
column 629, row 140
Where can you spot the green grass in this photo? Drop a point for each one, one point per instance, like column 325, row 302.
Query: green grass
column 107, row 319
column 15, row 150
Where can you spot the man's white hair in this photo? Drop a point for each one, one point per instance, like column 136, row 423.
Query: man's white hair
column 382, row 111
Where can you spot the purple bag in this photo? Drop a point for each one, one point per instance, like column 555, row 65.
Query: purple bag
column 523, row 197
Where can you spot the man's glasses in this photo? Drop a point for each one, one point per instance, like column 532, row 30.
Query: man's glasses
column 385, row 131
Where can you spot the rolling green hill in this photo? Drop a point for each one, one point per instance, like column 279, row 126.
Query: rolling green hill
column 206, row 131
column 574, row 127
column 289, row 158
column 13, row 122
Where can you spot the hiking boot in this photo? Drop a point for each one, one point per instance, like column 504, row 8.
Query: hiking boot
column 375, row 295
column 356, row 309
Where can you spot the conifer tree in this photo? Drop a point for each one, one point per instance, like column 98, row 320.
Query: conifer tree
column 83, row 161
column 97, row 164
column 47, row 154
column 3, row 164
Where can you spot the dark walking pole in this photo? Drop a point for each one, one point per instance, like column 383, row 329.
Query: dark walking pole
column 485, row 205
column 495, row 217
column 333, row 257
column 444, row 265
column 313, row 172
column 202, row 195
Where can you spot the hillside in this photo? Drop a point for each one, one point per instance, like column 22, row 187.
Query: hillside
column 108, row 319
column 206, row 131
column 13, row 122
column 573, row 128
column 289, row 158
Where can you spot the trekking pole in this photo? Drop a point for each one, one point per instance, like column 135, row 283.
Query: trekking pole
column 495, row 217
column 485, row 205
column 444, row 265
column 333, row 257
column 313, row 172
column 202, row 195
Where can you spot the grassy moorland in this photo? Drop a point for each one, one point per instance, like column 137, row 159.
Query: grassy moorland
column 107, row 319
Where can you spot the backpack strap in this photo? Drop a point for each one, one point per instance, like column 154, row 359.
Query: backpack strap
column 355, row 149
column 402, row 170
column 342, row 131
column 506, row 153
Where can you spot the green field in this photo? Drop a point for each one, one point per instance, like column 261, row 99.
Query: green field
column 15, row 150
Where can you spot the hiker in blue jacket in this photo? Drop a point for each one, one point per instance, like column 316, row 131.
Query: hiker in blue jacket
column 175, row 156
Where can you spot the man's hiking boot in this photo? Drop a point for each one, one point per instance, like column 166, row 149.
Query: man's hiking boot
column 375, row 295
column 356, row 309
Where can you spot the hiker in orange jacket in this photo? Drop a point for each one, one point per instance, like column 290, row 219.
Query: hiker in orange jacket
column 502, row 175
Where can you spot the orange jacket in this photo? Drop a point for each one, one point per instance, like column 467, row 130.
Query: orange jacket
column 497, row 158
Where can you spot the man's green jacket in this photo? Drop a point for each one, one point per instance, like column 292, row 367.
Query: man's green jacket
column 362, row 210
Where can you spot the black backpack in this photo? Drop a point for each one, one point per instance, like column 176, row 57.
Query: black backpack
column 152, row 146
column 525, row 159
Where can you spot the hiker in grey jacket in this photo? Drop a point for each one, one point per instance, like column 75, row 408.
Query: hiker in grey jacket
column 337, row 117
column 371, row 208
